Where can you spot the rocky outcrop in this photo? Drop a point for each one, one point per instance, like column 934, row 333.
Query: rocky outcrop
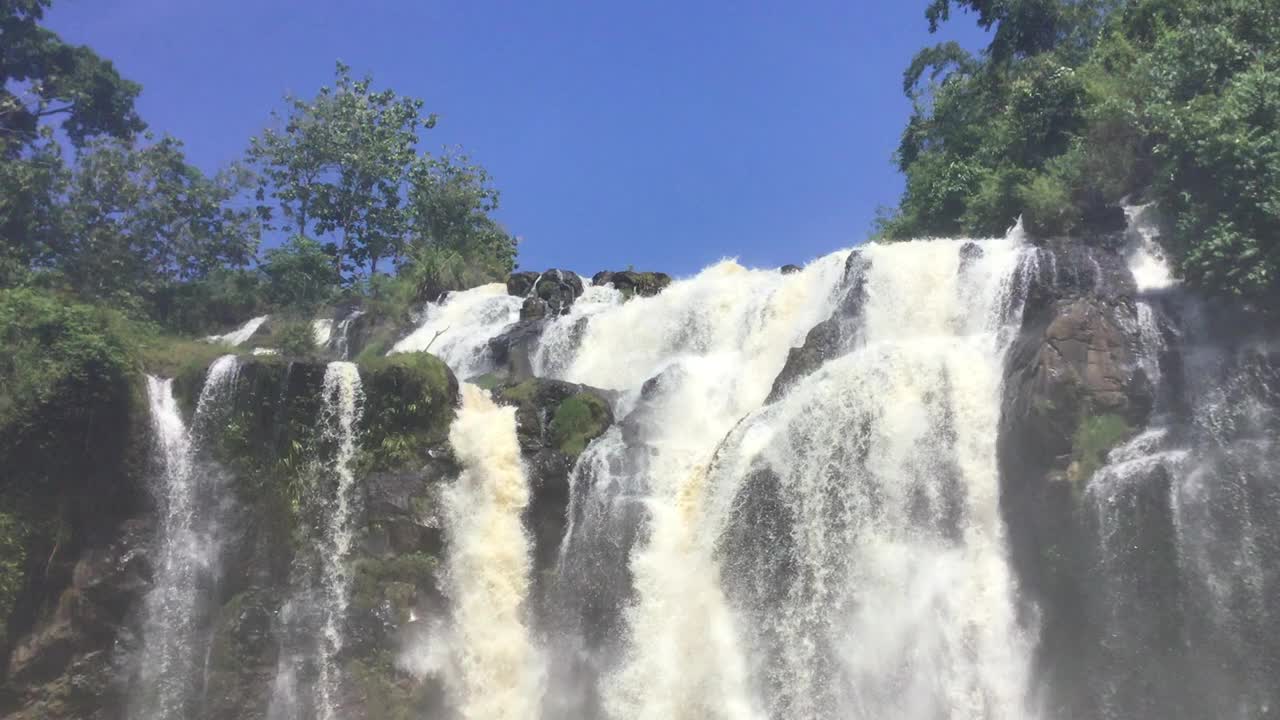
column 631, row 283
column 832, row 336
column 551, row 293
column 555, row 422
column 1075, row 387
column 76, row 519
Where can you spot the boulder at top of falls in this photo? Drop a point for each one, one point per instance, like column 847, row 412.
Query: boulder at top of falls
column 790, row 269
column 630, row 282
column 520, row 284
column 558, row 288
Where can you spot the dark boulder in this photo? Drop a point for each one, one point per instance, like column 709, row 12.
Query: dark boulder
column 558, row 289
column 556, row 420
column 790, row 269
column 631, row 283
column 520, row 284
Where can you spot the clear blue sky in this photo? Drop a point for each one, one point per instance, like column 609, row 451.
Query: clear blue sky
column 664, row 135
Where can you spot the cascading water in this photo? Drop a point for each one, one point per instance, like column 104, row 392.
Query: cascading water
column 498, row 671
column 1181, row 518
column 343, row 406
column 241, row 334
column 187, row 548
column 313, row 620
column 458, row 330
column 856, row 523
column 843, row 555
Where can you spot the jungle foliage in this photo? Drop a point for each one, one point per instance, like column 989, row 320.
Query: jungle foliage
column 1076, row 106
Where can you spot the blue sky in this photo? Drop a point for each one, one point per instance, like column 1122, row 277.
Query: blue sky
column 661, row 135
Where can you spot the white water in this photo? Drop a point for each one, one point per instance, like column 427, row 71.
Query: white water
column 498, row 675
column 341, row 341
column 459, row 329
column 322, row 331
column 240, row 335
column 340, row 416
column 187, row 550
column 902, row 602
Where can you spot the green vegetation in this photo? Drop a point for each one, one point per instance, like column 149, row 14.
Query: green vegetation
column 578, row 420
column 409, row 404
column 1078, row 104
column 335, row 190
column 1094, row 438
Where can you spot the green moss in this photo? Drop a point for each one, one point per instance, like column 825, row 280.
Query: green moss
column 1095, row 436
column 410, row 400
column 393, row 580
column 519, row 394
column 577, row 421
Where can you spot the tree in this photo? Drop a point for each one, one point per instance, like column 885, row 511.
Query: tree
column 138, row 217
column 300, row 275
column 338, row 164
column 43, row 79
column 1078, row 104
column 454, row 241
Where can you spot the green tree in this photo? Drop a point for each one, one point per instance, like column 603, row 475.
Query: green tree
column 337, row 165
column 454, row 241
column 300, row 275
column 136, row 218
column 44, row 79
column 1076, row 105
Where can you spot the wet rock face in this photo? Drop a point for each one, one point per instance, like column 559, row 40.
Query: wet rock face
column 512, row 351
column 831, row 336
column 1074, row 377
column 631, row 283
column 551, row 293
column 520, row 284
column 790, row 269
column 75, row 662
column 555, row 422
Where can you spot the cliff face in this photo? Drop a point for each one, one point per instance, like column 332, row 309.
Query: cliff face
column 75, row 629
column 1134, row 446
column 1135, row 450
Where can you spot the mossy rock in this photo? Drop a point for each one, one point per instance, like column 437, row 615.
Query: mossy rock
column 410, row 401
column 1096, row 436
column 578, row 420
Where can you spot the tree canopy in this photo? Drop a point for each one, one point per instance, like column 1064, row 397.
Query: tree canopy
column 335, row 190
column 1076, row 106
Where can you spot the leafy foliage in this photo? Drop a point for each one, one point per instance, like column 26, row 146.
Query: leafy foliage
column 1078, row 104
column 42, row 77
column 338, row 164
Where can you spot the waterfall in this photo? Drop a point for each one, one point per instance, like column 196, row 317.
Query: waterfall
column 186, row 549
column 458, row 329
column 240, row 335
column 343, row 406
column 1181, row 535
column 340, row 343
column 498, row 676
column 312, row 624
column 838, row 553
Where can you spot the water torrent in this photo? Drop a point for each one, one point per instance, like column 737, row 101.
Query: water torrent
column 187, row 547
column 498, row 673
column 1184, row 554
column 893, row 497
column 458, row 329
column 343, row 406
column 313, row 619
column 241, row 334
